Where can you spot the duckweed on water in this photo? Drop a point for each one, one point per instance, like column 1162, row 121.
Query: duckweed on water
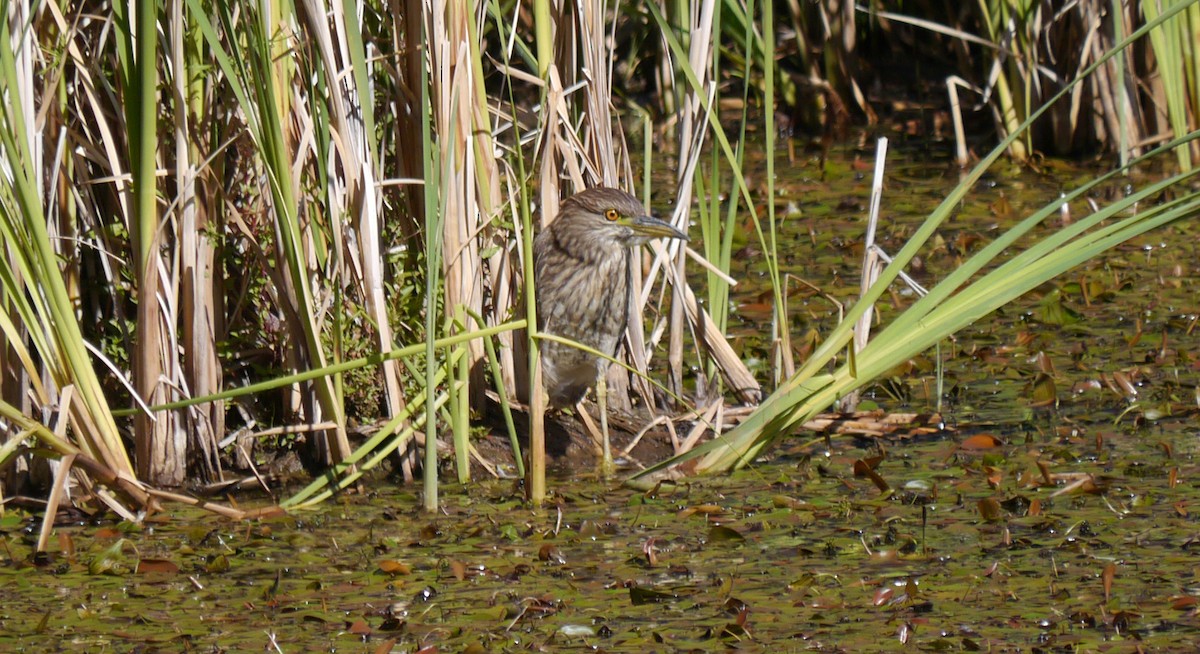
column 1040, row 544
column 1059, row 515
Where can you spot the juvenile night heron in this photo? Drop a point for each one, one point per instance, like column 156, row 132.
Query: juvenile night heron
column 581, row 267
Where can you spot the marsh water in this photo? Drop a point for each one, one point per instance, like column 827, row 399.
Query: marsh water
column 1054, row 514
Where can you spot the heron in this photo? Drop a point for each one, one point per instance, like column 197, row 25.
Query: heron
column 582, row 275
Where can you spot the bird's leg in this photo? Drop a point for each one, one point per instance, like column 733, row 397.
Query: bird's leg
column 606, row 461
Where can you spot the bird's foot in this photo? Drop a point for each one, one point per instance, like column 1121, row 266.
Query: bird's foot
column 599, row 435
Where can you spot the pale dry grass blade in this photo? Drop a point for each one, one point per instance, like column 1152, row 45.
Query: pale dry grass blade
column 1173, row 62
column 596, row 71
column 692, row 130
column 469, row 188
column 741, row 381
column 262, row 74
column 37, row 292
column 161, row 456
column 62, row 470
column 953, row 84
column 198, row 276
column 871, row 267
column 354, row 195
column 705, row 418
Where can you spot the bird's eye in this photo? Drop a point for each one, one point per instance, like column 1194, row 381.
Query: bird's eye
column 611, row 215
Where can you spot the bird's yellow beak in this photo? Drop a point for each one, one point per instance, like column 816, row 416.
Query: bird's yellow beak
column 651, row 227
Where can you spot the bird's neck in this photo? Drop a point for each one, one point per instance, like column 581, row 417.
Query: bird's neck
column 590, row 250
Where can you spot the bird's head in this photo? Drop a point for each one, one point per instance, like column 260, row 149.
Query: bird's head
column 611, row 216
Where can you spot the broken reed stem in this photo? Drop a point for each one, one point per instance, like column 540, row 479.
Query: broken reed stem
column 871, row 267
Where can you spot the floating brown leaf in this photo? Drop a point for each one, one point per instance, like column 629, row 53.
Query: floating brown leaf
column 884, row 557
column 994, row 476
column 872, row 462
column 1122, row 621
column 701, row 509
column 1035, row 507
column 864, row 469
column 1137, row 334
column 390, row 644
column 548, row 552
column 1184, row 602
column 1045, row 470
column 737, row 607
column 1045, row 364
column 883, row 596
column 989, row 508
column 106, row 533
column 1110, row 573
column 1124, row 385
column 67, row 544
column 393, row 567
column 1001, row 208
column 162, row 566
column 650, row 551
column 980, row 442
